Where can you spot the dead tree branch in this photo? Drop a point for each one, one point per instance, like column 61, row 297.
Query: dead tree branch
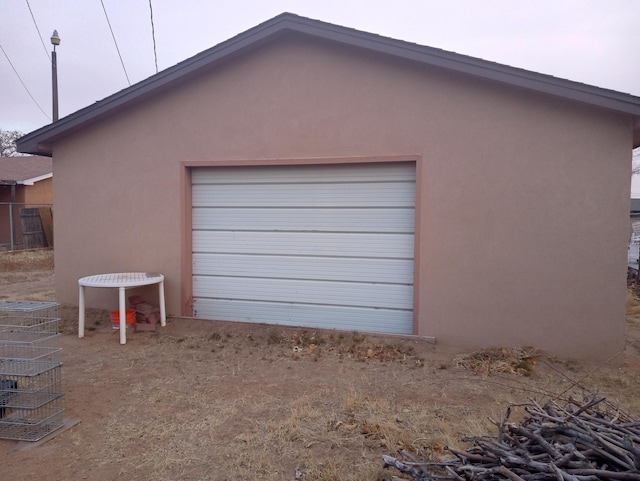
column 581, row 441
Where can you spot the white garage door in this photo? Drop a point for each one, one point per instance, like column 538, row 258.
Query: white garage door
column 328, row 246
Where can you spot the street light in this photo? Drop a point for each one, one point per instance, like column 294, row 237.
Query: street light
column 55, row 40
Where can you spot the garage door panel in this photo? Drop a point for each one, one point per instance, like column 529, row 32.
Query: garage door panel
column 325, row 317
column 390, row 296
column 391, row 271
column 398, row 220
column 383, row 194
column 334, row 173
column 304, row 244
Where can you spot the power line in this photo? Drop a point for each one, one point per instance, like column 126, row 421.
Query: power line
column 39, row 34
column 153, row 35
column 114, row 41
column 23, row 84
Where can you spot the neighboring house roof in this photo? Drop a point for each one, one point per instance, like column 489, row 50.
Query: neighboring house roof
column 25, row 170
column 635, row 207
column 40, row 141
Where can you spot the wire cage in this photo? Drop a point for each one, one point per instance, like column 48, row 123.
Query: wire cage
column 29, row 315
column 45, row 335
column 31, row 400
column 31, row 396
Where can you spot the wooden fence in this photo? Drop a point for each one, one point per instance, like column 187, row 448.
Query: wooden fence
column 25, row 226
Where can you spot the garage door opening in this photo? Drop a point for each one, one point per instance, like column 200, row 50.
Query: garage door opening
column 327, row 246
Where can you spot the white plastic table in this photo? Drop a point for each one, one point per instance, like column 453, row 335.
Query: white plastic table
column 123, row 281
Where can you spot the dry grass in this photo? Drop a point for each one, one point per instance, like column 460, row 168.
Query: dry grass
column 26, row 260
column 261, row 409
column 520, row 360
column 262, row 436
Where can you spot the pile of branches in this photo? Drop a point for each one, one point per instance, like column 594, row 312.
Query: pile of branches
column 583, row 441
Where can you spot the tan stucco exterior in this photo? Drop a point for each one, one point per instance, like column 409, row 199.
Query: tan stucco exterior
column 40, row 192
column 522, row 204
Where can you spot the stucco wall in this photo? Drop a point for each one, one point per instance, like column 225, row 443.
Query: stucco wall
column 39, row 193
column 523, row 198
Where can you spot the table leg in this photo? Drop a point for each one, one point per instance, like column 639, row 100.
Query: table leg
column 123, row 316
column 81, row 313
column 163, row 312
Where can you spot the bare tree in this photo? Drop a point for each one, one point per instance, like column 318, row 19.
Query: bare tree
column 635, row 162
column 8, row 143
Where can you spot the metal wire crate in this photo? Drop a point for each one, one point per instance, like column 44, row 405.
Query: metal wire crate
column 16, row 400
column 29, row 352
column 44, row 335
column 31, row 424
column 31, row 408
column 28, row 314
column 24, row 392
column 34, row 375
column 31, row 398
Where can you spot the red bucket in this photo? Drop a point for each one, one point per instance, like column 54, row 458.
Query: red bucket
column 130, row 318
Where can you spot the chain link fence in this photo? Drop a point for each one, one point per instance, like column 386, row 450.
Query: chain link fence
column 25, row 226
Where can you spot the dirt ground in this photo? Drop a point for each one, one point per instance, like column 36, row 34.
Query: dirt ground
column 204, row 400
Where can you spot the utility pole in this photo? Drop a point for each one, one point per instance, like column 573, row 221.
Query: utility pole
column 55, row 40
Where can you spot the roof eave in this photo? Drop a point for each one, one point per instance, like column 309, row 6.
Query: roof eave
column 33, row 180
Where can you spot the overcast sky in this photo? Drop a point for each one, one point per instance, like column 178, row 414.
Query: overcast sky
column 590, row 41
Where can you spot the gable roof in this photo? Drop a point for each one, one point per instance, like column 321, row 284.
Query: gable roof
column 25, row 170
column 40, row 141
